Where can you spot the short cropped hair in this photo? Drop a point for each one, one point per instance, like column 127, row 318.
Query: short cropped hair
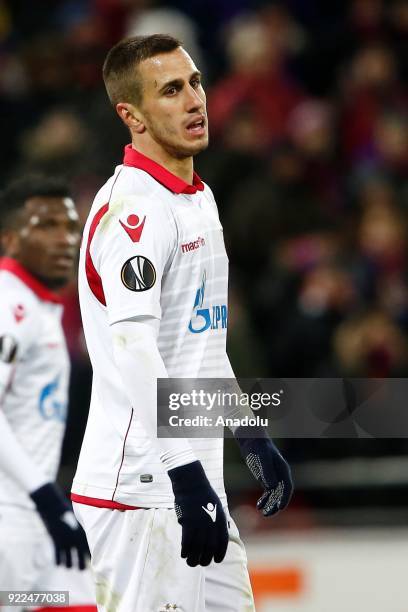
column 120, row 74
column 16, row 194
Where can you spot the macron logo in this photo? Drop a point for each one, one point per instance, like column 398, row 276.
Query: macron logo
column 192, row 246
column 211, row 510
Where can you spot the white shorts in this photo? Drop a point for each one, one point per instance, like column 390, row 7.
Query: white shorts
column 27, row 561
column 137, row 567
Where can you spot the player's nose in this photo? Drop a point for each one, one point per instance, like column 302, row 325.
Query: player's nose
column 66, row 238
column 193, row 100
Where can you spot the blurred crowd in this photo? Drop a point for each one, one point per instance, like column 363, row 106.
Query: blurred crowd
column 308, row 160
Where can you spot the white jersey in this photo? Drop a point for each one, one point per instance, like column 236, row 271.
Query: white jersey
column 153, row 245
column 34, row 373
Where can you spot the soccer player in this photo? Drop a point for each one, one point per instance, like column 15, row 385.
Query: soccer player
column 153, row 271
column 38, row 530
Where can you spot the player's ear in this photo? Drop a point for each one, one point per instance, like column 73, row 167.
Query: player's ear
column 131, row 117
column 10, row 242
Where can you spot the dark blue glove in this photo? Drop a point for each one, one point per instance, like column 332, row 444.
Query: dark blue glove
column 64, row 529
column 200, row 514
column 269, row 468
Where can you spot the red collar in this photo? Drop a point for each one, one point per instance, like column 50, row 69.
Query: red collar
column 158, row 172
column 13, row 266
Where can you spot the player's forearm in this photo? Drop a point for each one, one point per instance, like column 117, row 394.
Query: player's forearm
column 140, row 365
column 15, row 462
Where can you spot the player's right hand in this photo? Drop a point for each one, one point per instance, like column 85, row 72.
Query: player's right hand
column 200, row 514
column 64, row 529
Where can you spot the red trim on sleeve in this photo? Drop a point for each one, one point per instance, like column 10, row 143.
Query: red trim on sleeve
column 14, row 267
column 101, row 503
column 94, row 280
column 162, row 175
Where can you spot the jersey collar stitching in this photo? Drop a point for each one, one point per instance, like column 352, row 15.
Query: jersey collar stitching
column 168, row 179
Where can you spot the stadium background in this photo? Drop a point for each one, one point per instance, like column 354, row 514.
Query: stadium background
column 308, row 161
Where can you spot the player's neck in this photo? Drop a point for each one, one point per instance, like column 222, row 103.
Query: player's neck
column 183, row 168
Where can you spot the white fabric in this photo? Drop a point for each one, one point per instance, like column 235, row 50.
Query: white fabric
column 15, row 463
column 137, row 566
column 34, row 391
column 139, row 363
column 190, row 299
column 27, row 560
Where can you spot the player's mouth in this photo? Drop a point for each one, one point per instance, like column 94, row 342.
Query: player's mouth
column 64, row 261
column 196, row 126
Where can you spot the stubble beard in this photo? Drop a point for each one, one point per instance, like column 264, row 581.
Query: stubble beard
column 168, row 141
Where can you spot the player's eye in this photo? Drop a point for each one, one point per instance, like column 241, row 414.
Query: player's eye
column 171, row 91
column 47, row 223
column 195, row 83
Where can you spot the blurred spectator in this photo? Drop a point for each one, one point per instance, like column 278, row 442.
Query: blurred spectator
column 301, row 339
column 367, row 20
column 249, row 108
column 371, row 91
column 48, row 69
column 312, row 129
column 147, row 18
column 382, row 237
column 57, row 143
column 391, row 143
column 370, row 345
column 86, row 41
column 280, row 201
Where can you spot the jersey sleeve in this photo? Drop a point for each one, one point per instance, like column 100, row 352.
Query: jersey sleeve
column 17, row 332
column 133, row 247
column 15, row 461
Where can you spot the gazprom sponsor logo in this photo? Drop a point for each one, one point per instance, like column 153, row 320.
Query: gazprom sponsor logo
column 50, row 406
column 215, row 317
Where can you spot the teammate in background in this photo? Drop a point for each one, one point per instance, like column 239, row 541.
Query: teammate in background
column 39, row 237
column 146, row 301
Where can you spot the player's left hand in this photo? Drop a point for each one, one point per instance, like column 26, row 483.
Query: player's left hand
column 65, row 531
column 270, row 469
